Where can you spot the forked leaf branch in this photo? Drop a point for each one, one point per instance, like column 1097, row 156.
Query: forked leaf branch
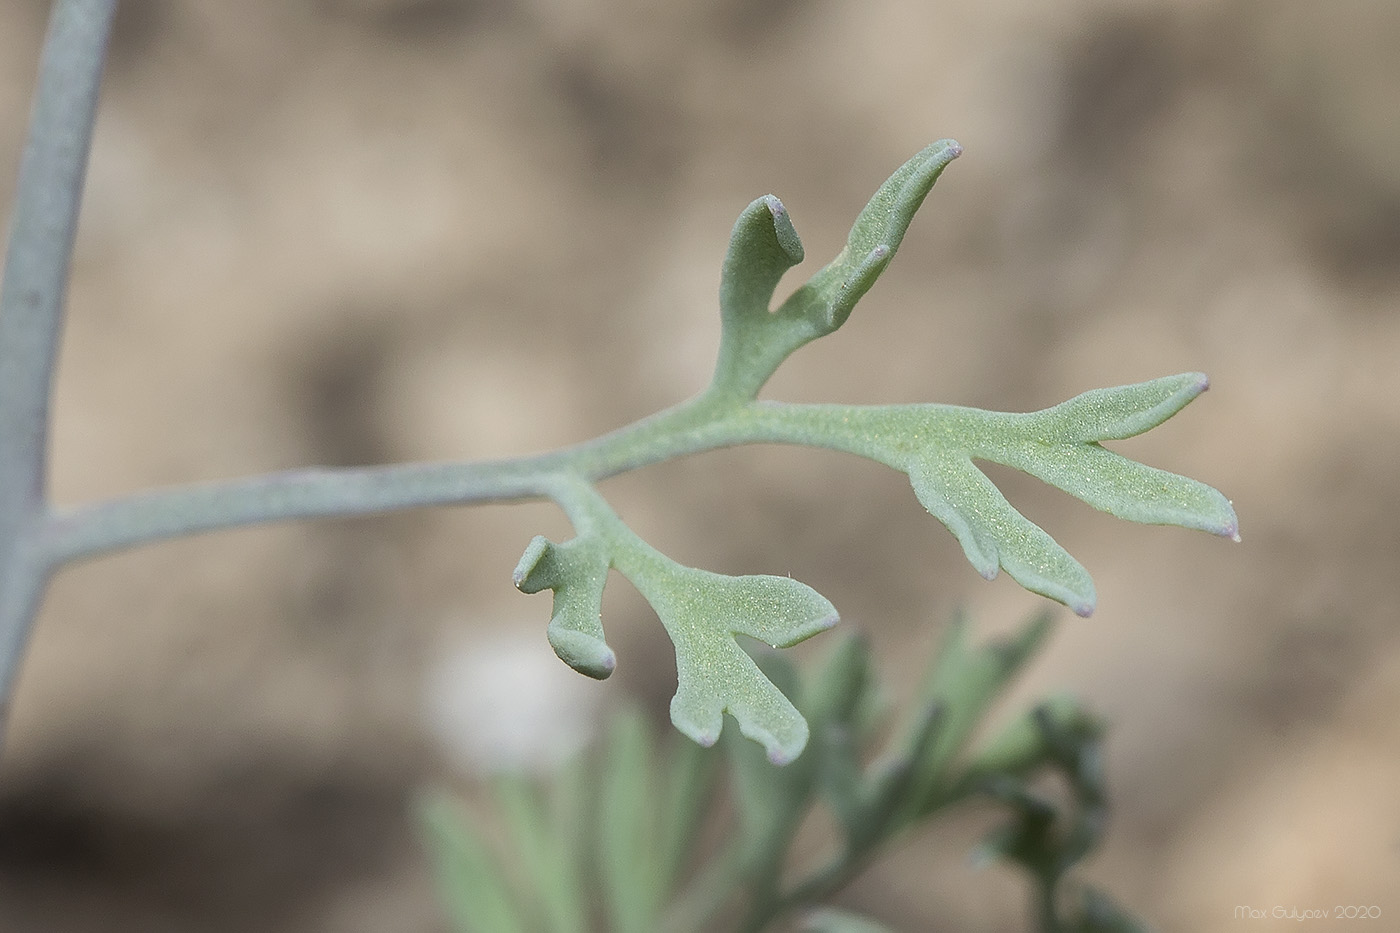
column 936, row 445
column 701, row 612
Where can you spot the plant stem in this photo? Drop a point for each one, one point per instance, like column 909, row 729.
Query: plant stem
column 1047, row 914
column 713, row 419
column 42, row 229
column 703, row 423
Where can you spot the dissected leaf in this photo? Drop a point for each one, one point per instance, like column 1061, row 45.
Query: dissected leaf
column 1124, row 488
column 754, row 341
column 936, row 445
column 764, row 245
column 1060, row 446
column 702, row 612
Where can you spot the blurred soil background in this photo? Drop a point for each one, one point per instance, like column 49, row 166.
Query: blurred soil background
column 352, row 231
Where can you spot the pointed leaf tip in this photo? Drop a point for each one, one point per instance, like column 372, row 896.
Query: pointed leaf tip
column 1119, row 412
column 831, row 294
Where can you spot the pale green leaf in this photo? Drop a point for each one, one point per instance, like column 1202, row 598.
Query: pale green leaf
column 936, row 445
column 477, row 897
column 626, row 809
column 548, row 872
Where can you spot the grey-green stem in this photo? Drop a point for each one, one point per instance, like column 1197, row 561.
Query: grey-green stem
column 32, row 294
column 692, row 427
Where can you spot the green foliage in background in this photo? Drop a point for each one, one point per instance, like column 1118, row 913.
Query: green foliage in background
column 623, row 838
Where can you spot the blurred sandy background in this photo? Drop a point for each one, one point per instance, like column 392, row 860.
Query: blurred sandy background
column 350, row 231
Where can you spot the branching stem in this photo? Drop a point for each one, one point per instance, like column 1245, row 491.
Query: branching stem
column 43, row 226
column 691, row 427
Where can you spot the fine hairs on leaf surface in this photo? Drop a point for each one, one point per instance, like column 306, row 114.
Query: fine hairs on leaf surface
column 937, row 446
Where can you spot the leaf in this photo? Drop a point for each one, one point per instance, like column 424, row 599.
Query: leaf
column 478, row 899
column 829, row 296
column 764, row 245
column 626, row 809
column 702, row 612
column 1121, row 411
column 576, row 571
column 549, row 873
column 753, row 341
column 690, row 773
column 994, row 535
column 1125, row 488
column 1060, row 446
column 962, row 683
column 936, row 445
